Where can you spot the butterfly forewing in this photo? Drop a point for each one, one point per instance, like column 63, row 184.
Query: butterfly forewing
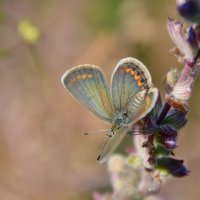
column 129, row 77
column 112, row 144
column 88, row 85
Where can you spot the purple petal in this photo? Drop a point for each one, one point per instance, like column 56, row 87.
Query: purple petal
column 179, row 37
column 192, row 37
column 170, row 143
column 182, row 89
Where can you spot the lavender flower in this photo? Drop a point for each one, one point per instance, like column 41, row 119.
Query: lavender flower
column 129, row 180
column 124, row 177
column 144, row 171
column 185, row 40
column 187, row 51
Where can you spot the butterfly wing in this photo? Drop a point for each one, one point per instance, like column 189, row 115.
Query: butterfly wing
column 112, row 144
column 130, row 93
column 129, row 77
column 88, row 85
column 141, row 104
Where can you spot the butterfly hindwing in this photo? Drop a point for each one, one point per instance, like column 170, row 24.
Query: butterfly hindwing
column 88, row 85
column 141, row 104
column 129, row 77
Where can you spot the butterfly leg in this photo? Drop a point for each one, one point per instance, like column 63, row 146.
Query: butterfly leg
column 133, row 132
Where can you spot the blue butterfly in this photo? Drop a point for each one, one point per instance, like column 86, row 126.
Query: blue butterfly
column 130, row 99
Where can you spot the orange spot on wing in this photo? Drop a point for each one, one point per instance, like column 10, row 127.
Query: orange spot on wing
column 137, row 77
column 140, row 83
column 81, row 77
column 133, row 73
column 127, row 70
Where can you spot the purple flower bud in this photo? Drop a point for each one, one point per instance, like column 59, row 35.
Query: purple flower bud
column 167, row 131
column 173, row 166
column 170, row 143
column 189, row 10
column 180, row 172
column 192, row 37
column 176, row 118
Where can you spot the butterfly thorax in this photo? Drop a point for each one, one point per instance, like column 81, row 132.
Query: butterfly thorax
column 121, row 120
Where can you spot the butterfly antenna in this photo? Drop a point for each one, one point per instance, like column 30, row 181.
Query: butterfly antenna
column 97, row 132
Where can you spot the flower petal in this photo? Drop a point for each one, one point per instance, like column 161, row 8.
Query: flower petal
column 179, row 36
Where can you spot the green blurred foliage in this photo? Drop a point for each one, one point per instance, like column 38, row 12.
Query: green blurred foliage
column 2, row 17
column 4, row 53
column 103, row 15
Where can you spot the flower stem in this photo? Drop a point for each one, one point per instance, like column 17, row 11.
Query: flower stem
column 184, row 73
column 197, row 56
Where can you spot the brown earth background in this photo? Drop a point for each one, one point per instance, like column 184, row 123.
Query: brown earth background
column 43, row 154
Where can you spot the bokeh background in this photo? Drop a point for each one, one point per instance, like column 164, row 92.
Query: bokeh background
column 43, row 153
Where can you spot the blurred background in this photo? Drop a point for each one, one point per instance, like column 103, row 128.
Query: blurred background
column 43, row 153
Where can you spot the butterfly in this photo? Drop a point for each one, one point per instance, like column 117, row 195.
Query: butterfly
column 131, row 97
